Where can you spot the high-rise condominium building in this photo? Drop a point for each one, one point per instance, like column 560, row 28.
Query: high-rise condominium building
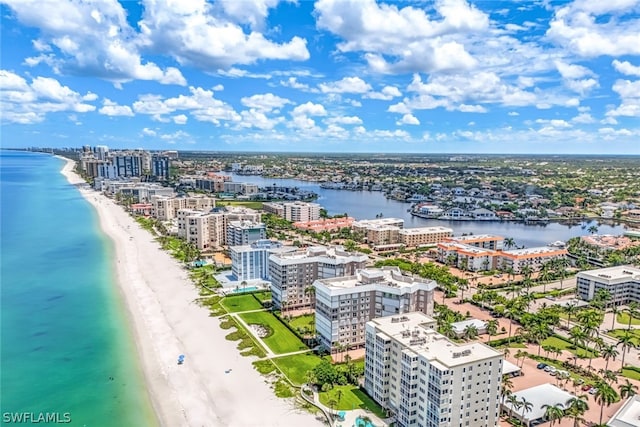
column 292, row 274
column 425, row 379
column 245, row 232
column 345, row 304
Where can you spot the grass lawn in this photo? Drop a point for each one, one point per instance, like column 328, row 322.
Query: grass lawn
column 251, row 205
column 296, row 366
column 307, row 320
column 351, row 398
column 566, row 345
column 234, row 304
column 624, row 319
column 629, row 373
column 620, row 332
column 281, row 340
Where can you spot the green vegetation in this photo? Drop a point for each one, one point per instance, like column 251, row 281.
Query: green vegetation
column 631, row 372
column 283, row 389
column 204, row 280
column 237, row 303
column 246, row 341
column 624, row 319
column 212, row 302
column 635, row 334
column 265, row 367
column 280, row 339
column 306, row 320
column 350, row 397
column 147, row 224
column 250, row 205
column 296, row 366
column 562, row 344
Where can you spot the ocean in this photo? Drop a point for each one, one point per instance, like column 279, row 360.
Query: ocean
column 67, row 354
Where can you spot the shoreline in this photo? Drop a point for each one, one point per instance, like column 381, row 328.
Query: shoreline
column 166, row 321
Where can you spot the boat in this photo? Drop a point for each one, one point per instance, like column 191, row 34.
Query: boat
column 181, row 359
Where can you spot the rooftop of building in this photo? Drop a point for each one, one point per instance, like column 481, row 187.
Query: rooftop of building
column 628, row 415
column 477, row 238
column 414, row 331
column 467, row 249
column 540, row 250
column 423, row 230
column 313, row 253
column 386, row 276
column 459, row 327
column 378, row 221
column 539, row 396
column 620, row 272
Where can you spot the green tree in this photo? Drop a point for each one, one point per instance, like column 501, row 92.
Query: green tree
column 577, row 406
column 553, row 413
column 626, row 342
column 627, row 389
column 605, row 395
column 492, row 328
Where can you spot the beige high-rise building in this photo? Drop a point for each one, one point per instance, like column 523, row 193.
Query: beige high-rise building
column 166, row 208
column 426, row 380
column 345, row 304
column 412, row 237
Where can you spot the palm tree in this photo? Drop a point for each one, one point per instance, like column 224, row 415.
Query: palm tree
column 514, row 403
column 310, row 291
column 605, row 395
column 627, row 389
column 633, row 310
column 593, row 229
column 470, row 332
column 509, row 242
column 339, row 395
column 615, row 310
column 608, row 352
column 553, row 413
column 577, row 406
column 332, row 404
column 626, row 341
column 526, row 407
column 570, row 309
column 492, row 328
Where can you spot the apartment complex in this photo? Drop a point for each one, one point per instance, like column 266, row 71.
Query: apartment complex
column 425, row 379
column 622, row 282
column 293, row 273
column 209, row 230
column 251, row 262
column 485, row 241
column 413, row 237
column 379, row 232
column 325, row 224
column 243, row 188
column 245, row 232
column 345, row 304
column 165, row 208
column 294, row 211
column 532, row 257
column 466, row 257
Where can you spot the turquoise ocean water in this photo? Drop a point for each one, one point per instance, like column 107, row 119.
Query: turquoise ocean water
column 65, row 344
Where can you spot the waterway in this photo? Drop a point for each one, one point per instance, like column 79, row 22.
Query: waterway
column 368, row 204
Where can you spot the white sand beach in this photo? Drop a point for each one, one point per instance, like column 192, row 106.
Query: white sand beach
column 166, row 321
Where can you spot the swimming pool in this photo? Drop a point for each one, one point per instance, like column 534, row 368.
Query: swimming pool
column 245, row 289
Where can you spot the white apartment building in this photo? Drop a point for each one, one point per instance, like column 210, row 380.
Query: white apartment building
column 361, row 226
column 165, row 208
column 292, row 273
column 532, row 257
column 412, row 237
column 425, row 379
column 240, row 188
column 622, row 282
column 294, row 211
column 204, row 229
column 251, row 262
column 245, row 232
column 466, row 257
column 345, row 304
column 485, row 241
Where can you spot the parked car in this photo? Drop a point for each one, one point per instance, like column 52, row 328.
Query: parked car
column 586, row 387
column 593, row 390
column 541, row 365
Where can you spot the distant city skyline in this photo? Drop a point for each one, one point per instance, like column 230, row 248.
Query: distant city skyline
column 356, row 76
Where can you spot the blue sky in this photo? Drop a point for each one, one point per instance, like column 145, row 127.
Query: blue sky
column 338, row 76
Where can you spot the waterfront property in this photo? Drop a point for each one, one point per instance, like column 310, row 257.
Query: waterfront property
column 293, row 273
column 345, row 304
column 535, row 258
column 466, row 257
column 294, row 211
column 425, row 379
column 245, row 232
column 622, row 282
column 325, row 224
column 251, row 262
column 413, row 237
column 165, row 208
